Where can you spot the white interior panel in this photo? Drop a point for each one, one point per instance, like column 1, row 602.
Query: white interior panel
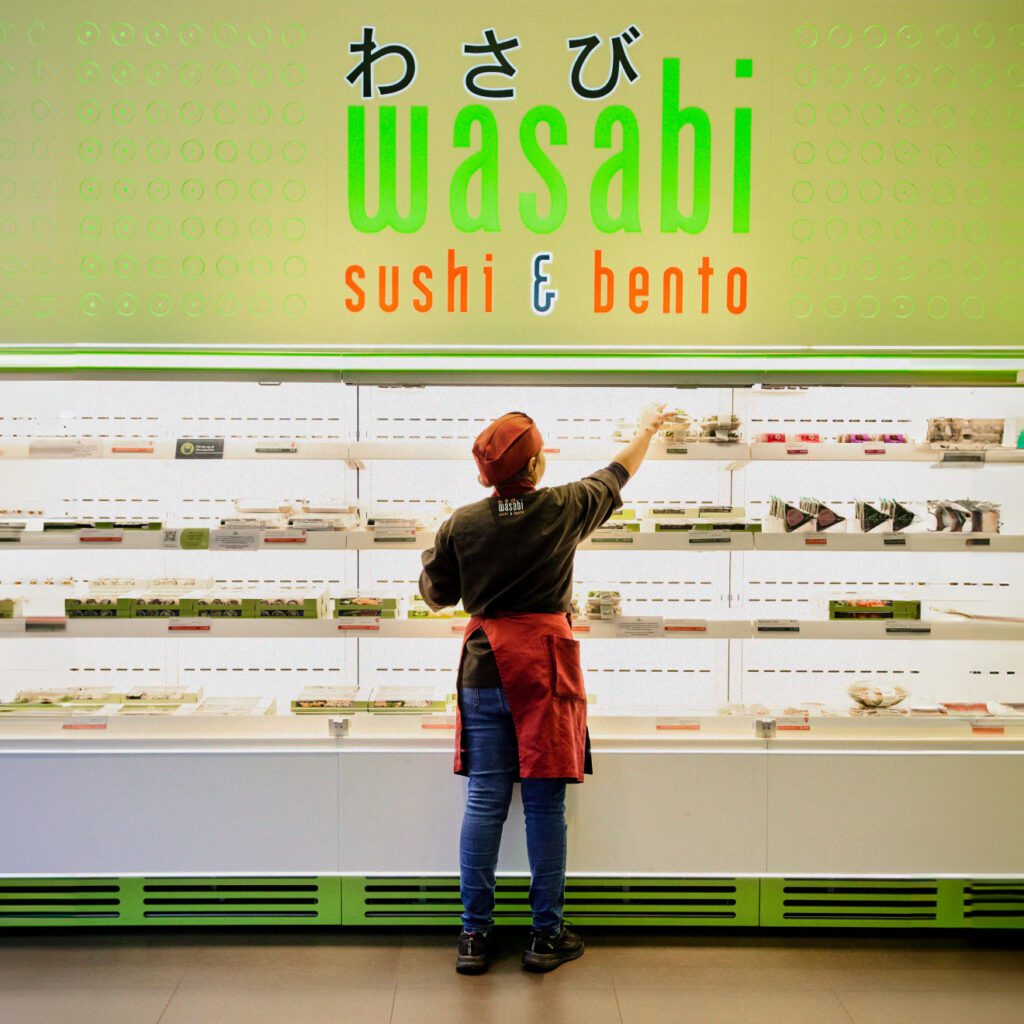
column 216, row 812
column 894, row 813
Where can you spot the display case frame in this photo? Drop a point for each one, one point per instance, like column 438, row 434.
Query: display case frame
column 934, row 792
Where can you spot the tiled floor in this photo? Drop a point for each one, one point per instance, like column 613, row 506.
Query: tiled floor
column 264, row 976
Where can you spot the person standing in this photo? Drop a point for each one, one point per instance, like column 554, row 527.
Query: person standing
column 522, row 711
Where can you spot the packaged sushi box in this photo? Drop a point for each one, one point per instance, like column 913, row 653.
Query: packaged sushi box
column 358, row 606
column 214, row 605
column 152, row 605
column 286, row 605
column 92, row 608
column 67, row 696
column 419, row 609
column 874, row 609
column 161, row 695
column 324, row 699
column 405, row 699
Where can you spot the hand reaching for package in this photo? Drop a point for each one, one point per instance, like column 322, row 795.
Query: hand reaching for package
column 652, row 419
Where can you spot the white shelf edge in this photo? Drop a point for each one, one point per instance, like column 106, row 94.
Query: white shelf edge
column 433, row 629
column 643, row 540
column 598, row 451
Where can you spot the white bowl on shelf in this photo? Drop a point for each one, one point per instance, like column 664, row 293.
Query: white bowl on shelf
column 868, row 696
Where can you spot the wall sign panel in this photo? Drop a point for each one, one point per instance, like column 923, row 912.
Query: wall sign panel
column 351, row 174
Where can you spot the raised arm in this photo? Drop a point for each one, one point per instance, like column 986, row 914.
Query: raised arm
column 635, row 452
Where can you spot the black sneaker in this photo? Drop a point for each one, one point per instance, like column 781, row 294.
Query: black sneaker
column 474, row 956
column 546, row 952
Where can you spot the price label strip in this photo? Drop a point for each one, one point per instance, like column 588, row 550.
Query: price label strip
column 291, row 537
column 85, row 722
column 983, row 728
column 387, row 536
column 793, row 723
column 132, row 449
column 777, row 626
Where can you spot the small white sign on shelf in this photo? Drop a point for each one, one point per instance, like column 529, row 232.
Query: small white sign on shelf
column 639, row 625
column 235, row 540
column 63, row 448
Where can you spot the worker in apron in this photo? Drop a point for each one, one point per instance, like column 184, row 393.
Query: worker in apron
column 522, row 711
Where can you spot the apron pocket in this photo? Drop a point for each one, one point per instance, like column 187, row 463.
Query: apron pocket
column 566, row 672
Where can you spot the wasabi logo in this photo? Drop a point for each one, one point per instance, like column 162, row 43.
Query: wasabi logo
column 613, row 192
column 543, row 129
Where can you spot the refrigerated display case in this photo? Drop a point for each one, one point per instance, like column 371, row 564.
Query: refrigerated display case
column 736, row 781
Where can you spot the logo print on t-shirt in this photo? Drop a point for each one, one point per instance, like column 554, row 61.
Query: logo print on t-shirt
column 511, row 506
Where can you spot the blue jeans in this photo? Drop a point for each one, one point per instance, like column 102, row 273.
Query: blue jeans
column 493, row 765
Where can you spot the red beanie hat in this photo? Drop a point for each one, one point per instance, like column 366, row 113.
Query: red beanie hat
column 506, row 446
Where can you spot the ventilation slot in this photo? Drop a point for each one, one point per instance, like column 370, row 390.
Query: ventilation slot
column 995, row 904
column 232, row 898
column 44, row 902
column 853, row 901
column 708, row 901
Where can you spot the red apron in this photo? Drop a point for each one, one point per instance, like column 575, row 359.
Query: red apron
column 538, row 661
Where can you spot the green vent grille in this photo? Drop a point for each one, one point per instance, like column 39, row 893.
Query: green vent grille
column 299, row 900
column 723, row 901
column 47, row 901
column 994, row 904
column 847, row 902
column 309, row 900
